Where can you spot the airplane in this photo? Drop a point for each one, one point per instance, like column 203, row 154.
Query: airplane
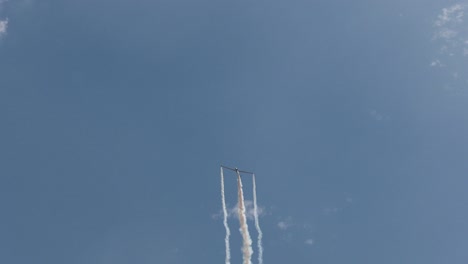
column 237, row 170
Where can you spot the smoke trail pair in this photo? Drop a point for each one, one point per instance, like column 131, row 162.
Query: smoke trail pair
column 244, row 230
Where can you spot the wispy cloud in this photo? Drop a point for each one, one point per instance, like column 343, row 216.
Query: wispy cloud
column 376, row 115
column 436, row 63
column 309, row 242
column 451, row 36
column 285, row 224
column 450, row 27
column 296, row 231
column 17, row 4
column 452, row 14
column 3, row 27
column 331, row 210
column 3, row 21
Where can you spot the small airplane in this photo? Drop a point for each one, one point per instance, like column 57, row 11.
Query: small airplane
column 237, row 170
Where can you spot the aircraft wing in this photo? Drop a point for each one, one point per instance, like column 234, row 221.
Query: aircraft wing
column 228, row 168
column 240, row 171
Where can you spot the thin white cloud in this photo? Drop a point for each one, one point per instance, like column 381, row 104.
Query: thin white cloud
column 3, row 26
column 285, row 224
column 450, row 26
column 446, row 33
column 331, row 210
column 452, row 14
column 376, row 115
column 309, row 242
column 3, row 22
column 18, row 4
column 451, row 37
column 436, row 63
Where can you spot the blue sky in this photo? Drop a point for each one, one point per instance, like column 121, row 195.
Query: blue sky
column 115, row 117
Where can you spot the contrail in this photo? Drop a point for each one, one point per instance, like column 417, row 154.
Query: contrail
column 228, row 232
column 244, row 229
column 257, row 224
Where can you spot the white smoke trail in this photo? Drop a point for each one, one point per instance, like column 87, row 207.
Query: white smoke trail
column 244, row 229
column 257, row 224
column 226, row 226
